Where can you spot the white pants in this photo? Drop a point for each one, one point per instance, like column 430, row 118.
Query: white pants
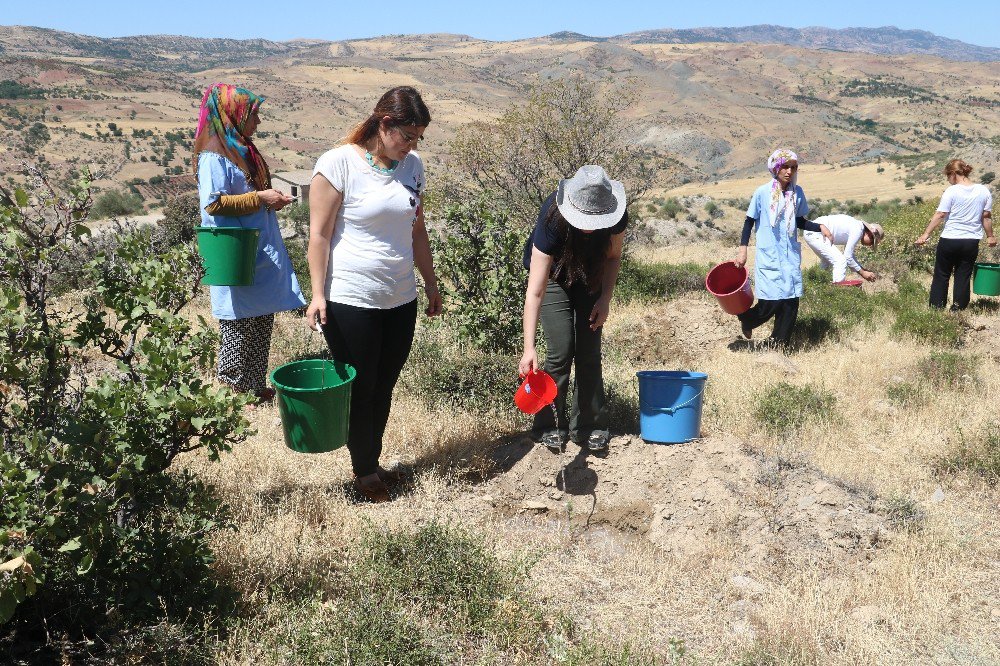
column 830, row 256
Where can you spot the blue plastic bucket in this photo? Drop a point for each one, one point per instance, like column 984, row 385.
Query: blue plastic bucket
column 670, row 405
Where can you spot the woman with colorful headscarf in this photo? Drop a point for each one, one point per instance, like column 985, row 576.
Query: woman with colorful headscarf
column 776, row 210
column 234, row 187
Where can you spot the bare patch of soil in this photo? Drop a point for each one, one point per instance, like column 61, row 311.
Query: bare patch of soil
column 692, row 499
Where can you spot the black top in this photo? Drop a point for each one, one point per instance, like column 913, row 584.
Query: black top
column 546, row 237
column 800, row 222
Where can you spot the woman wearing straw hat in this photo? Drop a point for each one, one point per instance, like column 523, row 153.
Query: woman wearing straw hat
column 234, row 187
column 776, row 210
column 573, row 257
column 366, row 235
column 966, row 210
column 847, row 231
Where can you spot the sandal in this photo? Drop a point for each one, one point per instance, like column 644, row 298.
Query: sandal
column 374, row 491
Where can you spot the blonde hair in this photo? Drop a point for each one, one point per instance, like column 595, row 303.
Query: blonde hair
column 959, row 167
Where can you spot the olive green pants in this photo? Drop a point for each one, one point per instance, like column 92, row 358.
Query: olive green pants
column 565, row 319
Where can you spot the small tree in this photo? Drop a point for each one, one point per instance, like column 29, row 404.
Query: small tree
column 96, row 403
column 478, row 256
column 565, row 123
column 988, row 178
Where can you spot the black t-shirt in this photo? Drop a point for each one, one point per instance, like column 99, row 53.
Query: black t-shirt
column 548, row 239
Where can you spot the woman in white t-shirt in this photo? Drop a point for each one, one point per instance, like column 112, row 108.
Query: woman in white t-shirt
column 967, row 208
column 366, row 234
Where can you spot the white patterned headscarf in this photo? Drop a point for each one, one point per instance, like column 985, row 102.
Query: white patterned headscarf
column 782, row 203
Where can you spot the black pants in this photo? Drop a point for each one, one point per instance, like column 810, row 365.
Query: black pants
column 958, row 256
column 785, row 311
column 377, row 343
column 565, row 319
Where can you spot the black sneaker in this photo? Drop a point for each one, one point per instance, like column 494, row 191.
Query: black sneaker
column 598, row 441
column 553, row 440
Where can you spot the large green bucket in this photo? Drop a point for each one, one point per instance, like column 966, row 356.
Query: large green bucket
column 986, row 280
column 230, row 255
column 314, row 400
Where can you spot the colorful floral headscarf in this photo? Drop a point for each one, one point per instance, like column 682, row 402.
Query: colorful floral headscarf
column 225, row 112
column 782, row 203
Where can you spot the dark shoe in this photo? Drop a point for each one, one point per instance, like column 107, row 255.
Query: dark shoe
column 394, row 475
column 372, row 489
column 746, row 331
column 598, row 441
column 553, row 440
column 265, row 394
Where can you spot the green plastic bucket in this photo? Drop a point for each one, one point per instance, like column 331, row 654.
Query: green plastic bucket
column 314, row 400
column 230, row 255
column 986, row 280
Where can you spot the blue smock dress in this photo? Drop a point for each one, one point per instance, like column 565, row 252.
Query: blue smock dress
column 778, row 263
column 275, row 287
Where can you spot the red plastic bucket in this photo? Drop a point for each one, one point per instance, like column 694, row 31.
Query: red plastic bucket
column 849, row 283
column 538, row 390
column 730, row 284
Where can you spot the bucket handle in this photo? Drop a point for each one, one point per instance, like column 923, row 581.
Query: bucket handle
column 666, row 410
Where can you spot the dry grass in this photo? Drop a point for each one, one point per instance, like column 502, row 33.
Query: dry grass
column 925, row 595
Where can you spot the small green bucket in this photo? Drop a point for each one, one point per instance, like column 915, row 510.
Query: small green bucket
column 314, row 400
column 230, row 255
column 986, row 279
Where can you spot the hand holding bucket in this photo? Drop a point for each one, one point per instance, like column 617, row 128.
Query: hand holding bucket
column 537, row 391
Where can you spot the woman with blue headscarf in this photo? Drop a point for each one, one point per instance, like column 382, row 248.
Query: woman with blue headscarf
column 234, row 187
column 777, row 209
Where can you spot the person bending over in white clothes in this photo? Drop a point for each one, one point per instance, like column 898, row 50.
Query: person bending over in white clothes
column 848, row 231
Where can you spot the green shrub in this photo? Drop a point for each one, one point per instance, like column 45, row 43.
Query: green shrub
column 948, row 369
column 931, row 325
column 902, row 513
column 99, row 531
column 671, row 208
column 643, row 282
column 442, row 370
column 906, row 394
column 784, row 408
column 478, row 256
column 979, row 456
column 116, row 204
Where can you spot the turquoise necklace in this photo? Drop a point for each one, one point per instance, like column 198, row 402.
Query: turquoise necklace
column 381, row 169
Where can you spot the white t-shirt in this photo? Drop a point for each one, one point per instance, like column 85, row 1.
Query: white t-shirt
column 371, row 252
column 965, row 205
column 847, row 231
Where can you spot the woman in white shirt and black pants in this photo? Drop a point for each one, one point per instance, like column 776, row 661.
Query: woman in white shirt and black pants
column 366, row 234
column 965, row 209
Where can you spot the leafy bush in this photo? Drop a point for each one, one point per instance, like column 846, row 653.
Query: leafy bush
column 479, row 263
column 443, row 371
column 784, row 408
column 644, row 282
column 97, row 531
column 116, row 204
column 181, row 216
column 897, row 253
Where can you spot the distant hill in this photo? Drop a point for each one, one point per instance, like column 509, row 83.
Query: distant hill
column 887, row 40
column 710, row 109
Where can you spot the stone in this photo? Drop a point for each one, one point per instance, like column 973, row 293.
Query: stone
column 938, row 496
column 806, row 502
column 748, row 586
column 533, row 505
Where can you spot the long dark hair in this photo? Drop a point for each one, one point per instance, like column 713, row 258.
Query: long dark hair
column 402, row 104
column 583, row 255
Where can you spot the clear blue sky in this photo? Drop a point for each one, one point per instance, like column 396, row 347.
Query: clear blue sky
column 975, row 22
